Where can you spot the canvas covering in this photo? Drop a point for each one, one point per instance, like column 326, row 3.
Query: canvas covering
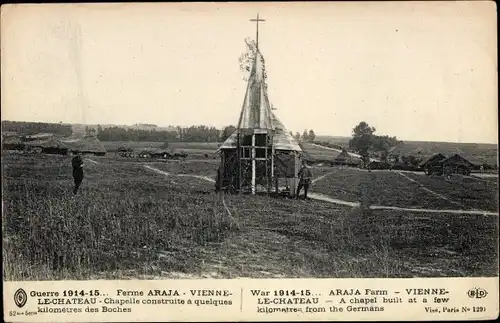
column 256, row 114
column 256, row 110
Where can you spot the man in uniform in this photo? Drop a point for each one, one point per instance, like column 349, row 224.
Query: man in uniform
column 304, row 176
column 77, row 164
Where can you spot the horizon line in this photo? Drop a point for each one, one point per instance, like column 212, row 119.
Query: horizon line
column 222, row 127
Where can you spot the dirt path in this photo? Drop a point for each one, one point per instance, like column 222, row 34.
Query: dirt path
column 321, row 177
column 484, row 175
column 325, row 198
column 92, row 161
column 206, row 178
column 429, row 190
column 339, row 151
column 157, row 170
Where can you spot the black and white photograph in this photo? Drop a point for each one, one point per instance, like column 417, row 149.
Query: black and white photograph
column 150, row 141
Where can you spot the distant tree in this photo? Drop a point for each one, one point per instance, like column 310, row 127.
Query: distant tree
column 312, row 135
column 305, row 135
column 226, row 132
column 297, row 136
column 99, row 128
column 362, row 138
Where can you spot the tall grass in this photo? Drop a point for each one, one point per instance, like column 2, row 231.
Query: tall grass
column 50, row 233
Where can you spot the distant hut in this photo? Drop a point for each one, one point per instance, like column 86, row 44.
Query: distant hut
column 12, row 143
column 346, row 159
column 54, row 146
column 343, row 158
column 88, row 145
column 432, row 162
column 456, row 164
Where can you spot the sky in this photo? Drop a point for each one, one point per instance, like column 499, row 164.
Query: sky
column 415, row 70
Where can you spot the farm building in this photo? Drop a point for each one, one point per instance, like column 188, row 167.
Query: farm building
column 51, row 146
column 261, row 155
column 440, row 164
column 12, row 143
column 344, row 158
column 86, row 145
column 456, row 164
column 432, row 161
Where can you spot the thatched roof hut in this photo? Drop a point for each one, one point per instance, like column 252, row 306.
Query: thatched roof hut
column 51, row 146
column 87, row 145
column 456, row 161
column 432, row 161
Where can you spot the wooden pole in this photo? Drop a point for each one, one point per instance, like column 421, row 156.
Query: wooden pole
column 238, row 161
column 253, row 163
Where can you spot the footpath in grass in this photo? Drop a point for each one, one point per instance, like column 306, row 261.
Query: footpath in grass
column 380, row 188
column 470, row 192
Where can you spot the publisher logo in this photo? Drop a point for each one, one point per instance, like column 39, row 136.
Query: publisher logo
column 477, row 293
column 20, row 297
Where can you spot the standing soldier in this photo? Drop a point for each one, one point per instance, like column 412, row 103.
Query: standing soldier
column 77, row 164
column 304, row 179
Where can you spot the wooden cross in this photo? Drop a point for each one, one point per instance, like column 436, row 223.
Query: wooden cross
column 257, row 38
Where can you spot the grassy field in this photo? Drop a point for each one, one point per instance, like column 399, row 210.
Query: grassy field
column 389, row 188
column 319, row 153
column 470, row 192
column 131, row 222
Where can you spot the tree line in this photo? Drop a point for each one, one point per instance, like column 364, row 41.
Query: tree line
column 192, row 134
column 31, row 128
column 199, row 133
column 307, row 136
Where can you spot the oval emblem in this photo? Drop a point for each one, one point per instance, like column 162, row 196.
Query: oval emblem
column 20, row 297
column 477, row 293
